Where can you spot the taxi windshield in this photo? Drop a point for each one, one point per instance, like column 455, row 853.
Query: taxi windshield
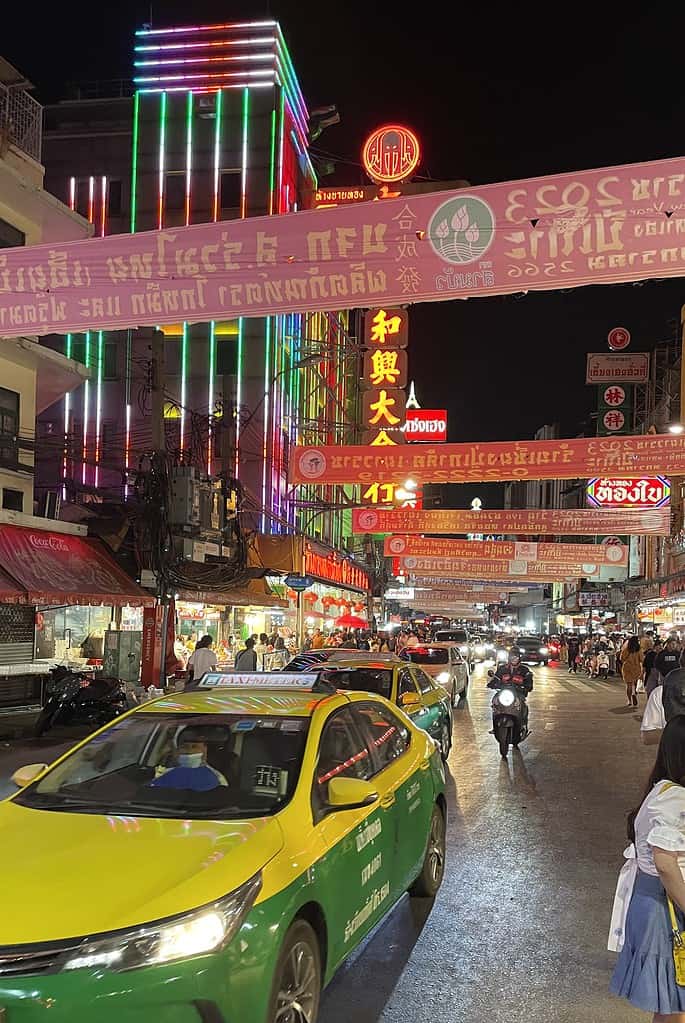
column 365, row 680
column 181, row 766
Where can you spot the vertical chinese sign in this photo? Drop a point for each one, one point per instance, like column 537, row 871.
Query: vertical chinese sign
column 386, row 335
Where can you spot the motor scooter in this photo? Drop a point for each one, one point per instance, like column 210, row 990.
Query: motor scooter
column 73, row 698
column 508, row 716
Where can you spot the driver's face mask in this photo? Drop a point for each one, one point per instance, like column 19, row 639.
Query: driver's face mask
column 190, row 760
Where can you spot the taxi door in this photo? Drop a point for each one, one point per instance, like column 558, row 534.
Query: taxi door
column 404, row 767
column 434, row 713
column 357, row 878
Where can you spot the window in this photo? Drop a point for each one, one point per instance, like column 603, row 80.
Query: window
column 426, row 655
column 424, row 681
column 406, row 684
column 342, row 753
column 231, row 189
column 114, row 199
column 249, row 768
column 365, row 680
column 388, row 737
column 175, row 191
column 10, row 236
column 456, row 656
column 110, row 361
column 12, row 500
column 9, row 426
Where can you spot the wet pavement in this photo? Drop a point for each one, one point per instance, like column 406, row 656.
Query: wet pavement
column 518, row 931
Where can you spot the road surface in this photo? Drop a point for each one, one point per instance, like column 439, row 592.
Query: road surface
column 518, row 931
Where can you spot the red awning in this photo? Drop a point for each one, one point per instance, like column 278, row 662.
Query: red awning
column 60, row 568
column 10, row 593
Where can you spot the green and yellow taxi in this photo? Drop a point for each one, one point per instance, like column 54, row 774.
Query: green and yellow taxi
column 407, row 685
column 214, row 856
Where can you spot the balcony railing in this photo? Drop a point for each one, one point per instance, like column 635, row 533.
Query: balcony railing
column 21, row 121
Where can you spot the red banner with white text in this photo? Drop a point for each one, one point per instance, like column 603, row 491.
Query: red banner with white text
column 544, row 522
column 563, row 553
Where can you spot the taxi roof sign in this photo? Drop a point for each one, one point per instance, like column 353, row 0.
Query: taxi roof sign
column 258, row 680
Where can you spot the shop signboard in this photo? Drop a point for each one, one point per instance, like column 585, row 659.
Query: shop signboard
column 537, row 234
column 331, row 568
column 593, row 598
column 605, row 368
column 399, row 593
column 575, row 458
column 634, row 492
column 298, row 582
column 561, row 553
column 426, row 426
column 539, row 522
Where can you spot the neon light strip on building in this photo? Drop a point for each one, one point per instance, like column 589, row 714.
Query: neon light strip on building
column 243, row 174
column 238, row 395
column 67, row 411
column 162, row 141
column 246, row 41
column 265, row 432
column 134, row 161
column 86, row 411
column 217, row 152
column 210, row 397
column 72, row 193
column 103, row 206
column 91, row 199
column 184, row 383
column 98, row 405
column 204, row 28
column 189, row 153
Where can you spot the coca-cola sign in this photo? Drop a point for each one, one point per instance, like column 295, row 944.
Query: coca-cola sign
column 48, row 542
column 629, row 492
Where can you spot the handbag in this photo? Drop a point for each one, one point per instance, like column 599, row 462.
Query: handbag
column 678, row 945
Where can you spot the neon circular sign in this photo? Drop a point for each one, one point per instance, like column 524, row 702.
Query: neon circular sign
column 391, row 153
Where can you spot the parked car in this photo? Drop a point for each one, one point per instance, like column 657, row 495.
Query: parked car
column 246, row 896
column 443, row 662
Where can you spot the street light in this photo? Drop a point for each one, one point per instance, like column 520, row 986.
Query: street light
column 407, row 492
column 676, row 428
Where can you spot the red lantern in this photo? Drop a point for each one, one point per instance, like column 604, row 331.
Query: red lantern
column 310, row 596
column 360, row 607
column 291, row 594
column 327, row 601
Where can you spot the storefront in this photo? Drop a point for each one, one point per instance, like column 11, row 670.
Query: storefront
column 61, row 593
column 340, row 588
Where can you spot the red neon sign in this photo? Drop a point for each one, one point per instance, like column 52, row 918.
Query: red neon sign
column 391, row 153
column 428, row 426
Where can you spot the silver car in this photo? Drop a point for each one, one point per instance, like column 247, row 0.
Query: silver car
column 445, row 663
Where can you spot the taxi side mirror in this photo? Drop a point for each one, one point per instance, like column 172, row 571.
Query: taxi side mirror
column 25, row 775
column 410, row 700
column 491, row 673
column 350, row 794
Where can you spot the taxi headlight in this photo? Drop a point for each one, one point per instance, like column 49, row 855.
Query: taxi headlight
column 194, row 934
column 506, row 697
column 463, row 649
column 443, row 677
column 544, row 650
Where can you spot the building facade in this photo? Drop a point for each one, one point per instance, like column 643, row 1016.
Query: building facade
column 213, row 128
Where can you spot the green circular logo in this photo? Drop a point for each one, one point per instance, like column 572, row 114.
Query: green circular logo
column 461, row 230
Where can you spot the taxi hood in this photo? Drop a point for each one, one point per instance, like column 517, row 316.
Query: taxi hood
column 73, row 874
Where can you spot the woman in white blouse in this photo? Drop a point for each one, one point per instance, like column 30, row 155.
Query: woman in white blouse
column 640, row 925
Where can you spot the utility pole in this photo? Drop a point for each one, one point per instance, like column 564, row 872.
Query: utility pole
column 157, row 390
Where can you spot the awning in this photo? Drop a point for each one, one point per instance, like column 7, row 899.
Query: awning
column 60, row 568
column 10, row 593
column 255, row 594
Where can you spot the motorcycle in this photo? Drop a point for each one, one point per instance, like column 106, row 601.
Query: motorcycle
column 73, row 698
column 508, row 712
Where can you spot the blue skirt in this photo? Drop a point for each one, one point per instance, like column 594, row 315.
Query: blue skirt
column 645, row 973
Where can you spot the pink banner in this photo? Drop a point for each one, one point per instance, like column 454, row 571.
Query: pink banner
column 519, row 521
column 579, row 458
column 564, row 553
column 592, row 227
column 497, row 568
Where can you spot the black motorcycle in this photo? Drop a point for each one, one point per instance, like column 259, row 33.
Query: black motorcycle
column 73, row 698
column 509, row 718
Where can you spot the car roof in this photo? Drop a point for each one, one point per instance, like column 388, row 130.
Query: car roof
column 370, row 661
column 276, row 702
column 439, row 643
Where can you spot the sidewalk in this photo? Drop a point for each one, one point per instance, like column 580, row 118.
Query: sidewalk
column 17, row 725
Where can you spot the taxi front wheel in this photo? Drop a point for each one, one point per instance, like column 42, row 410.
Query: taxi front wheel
column 296, row 989
column 429, row 880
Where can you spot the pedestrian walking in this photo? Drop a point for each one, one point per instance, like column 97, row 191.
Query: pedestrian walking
column 650, row 673
column 202, row 659
column 573, row 654
column 668, row 659
column 631, row 668
column 650, row 895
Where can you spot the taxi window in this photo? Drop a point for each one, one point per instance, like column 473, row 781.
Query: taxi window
column 407, row 683
column 364, row 680
column 425, row 682
column 181, row 766
column 343, row 752
column 387, row 735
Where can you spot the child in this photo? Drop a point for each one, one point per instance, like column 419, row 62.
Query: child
column 603, row 664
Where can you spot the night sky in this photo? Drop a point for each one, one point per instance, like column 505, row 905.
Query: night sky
column 564, row 88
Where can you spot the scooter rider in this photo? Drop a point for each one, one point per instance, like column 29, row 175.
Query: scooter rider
column 513, row 672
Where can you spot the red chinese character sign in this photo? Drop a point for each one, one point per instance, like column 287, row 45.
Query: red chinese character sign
column 618, row 339
column 391, row 153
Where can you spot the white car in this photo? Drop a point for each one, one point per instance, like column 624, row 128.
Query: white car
column 445, row 663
